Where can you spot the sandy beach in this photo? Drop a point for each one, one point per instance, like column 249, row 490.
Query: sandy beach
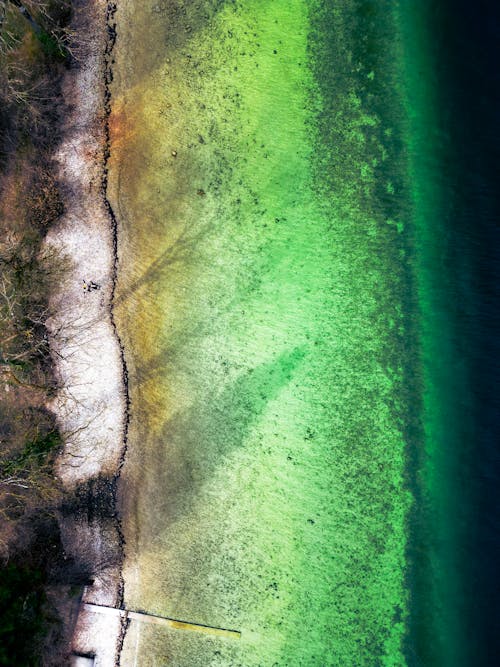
column 91, row 400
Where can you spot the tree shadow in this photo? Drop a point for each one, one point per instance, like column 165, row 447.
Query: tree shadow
column 196, row 442
column 179, row 251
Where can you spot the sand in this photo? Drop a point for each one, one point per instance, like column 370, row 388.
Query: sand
column 91, row 401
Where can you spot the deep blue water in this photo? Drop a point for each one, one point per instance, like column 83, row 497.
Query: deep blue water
column 467, row 54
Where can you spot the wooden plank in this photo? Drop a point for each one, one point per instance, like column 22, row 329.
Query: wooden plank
column 82, row 661
column 101, row 609
column 184, row 625
column 166, row 622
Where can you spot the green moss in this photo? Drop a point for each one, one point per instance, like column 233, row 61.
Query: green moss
column 43, row 444
column 52, row 47
column 35, row 453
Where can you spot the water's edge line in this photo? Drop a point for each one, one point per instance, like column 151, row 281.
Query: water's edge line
column 111, row 9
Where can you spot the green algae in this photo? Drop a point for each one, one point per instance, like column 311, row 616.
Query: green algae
column 438, row 628
column 262, row 293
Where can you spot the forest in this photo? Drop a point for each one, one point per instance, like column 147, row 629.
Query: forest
column 36, row 46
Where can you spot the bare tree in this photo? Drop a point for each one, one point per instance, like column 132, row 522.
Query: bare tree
column 38, row 15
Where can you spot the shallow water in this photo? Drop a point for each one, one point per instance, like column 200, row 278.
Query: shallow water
column 277, row 298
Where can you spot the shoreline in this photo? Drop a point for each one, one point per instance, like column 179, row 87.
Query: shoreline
column 92, row 403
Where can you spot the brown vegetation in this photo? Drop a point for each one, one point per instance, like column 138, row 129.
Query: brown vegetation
column 33, row 50
column 33, row 37
column 29, row 438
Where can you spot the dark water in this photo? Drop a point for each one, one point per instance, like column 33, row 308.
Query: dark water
column 467, row 58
